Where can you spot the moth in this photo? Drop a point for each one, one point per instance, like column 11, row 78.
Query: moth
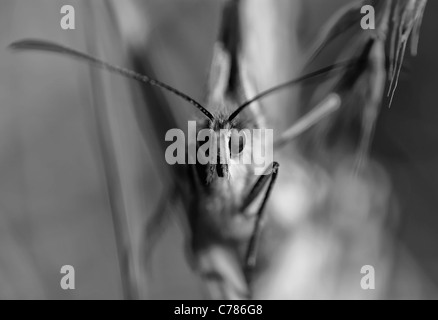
column 226, row 201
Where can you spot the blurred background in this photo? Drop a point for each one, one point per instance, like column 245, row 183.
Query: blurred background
column 73, row 152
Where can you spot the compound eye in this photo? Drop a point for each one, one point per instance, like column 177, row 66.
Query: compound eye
column 237, row 142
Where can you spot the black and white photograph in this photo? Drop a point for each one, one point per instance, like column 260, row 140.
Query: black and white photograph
column 243, row 150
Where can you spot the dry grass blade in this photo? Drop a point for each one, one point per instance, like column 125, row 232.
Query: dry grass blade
column 407, row 19
column 344, row 19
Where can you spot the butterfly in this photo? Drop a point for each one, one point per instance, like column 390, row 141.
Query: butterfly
column 224, row 200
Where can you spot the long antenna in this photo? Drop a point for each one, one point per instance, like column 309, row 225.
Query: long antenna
column 42, row 45
column 314, row 74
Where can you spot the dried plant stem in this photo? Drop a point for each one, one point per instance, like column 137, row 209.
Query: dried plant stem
column 322, row 110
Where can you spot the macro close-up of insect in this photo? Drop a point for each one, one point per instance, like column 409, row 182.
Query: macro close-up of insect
column 283, row 176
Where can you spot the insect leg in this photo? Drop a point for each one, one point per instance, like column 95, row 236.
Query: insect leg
column 251, row 253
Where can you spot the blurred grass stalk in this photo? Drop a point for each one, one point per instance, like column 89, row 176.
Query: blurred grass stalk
column 126, row 33
column 109, row 149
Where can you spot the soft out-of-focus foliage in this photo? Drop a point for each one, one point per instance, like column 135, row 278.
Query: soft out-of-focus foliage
column 54, row 206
